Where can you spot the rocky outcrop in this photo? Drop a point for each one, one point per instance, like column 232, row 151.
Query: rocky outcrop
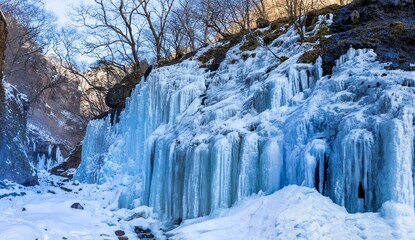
column 14, row 164
column 116, row 95
column 386, row 26
column 66, row 168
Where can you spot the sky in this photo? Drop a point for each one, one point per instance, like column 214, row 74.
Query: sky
column 61, row 8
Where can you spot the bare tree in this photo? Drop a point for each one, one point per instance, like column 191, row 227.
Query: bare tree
column 225, row 17
column 29, row 28
column 113, row 35
column 260, row 8
column 112, row 31
column 218, row 17
column 176, row 39
column 297, row 12
column 156, row 14
column 240, row 12
column 94, row 82
column 196, row 15
column 190, row 18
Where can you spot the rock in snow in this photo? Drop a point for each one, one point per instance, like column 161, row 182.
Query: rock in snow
column 77, row 206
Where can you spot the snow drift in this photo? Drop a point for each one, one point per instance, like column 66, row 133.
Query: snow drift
column 294, row 213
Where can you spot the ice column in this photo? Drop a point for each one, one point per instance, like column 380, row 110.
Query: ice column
column 357, row 164
column 395, row 180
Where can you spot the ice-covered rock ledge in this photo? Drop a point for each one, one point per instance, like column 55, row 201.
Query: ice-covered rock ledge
column 190, row 142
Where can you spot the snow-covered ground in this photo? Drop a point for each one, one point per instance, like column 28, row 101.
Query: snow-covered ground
column 296, row 213
column 44, row 213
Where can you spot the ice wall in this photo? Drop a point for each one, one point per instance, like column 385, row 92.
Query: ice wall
column 44, row 152
column 190, row 142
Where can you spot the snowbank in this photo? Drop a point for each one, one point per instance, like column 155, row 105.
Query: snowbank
column 293, row 213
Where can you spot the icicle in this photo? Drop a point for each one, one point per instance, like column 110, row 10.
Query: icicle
column 314, row 160
column 396, row 179
column 318, row 69
column 184, row 145
column 196, row 180
column 271, row 162
column 247, row 181
column 221, row 167
column 357, row 161
column 94, row 149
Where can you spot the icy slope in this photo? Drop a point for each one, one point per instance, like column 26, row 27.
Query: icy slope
column 294, row 213
column 190, row 142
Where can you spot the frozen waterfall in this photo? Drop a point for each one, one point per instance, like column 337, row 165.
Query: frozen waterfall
column 190, row 141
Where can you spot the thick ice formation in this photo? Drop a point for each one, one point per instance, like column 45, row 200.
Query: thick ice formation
column 190, row 142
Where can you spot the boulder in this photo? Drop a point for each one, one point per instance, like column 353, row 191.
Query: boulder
column 72, row 162
column 117, row 94
column 77, row 206
column 262, row 22
column 119, row 233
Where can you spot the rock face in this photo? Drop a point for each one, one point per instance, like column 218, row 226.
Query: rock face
column 55, row 123
column 3, row 37
column 13, row 157
column 44, row 151
column 72, row 162
column 386, row 26
column 116, row 96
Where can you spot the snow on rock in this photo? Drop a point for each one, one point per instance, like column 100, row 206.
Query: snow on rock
column 293, row 213
column 14, row 161
column 190, row 142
